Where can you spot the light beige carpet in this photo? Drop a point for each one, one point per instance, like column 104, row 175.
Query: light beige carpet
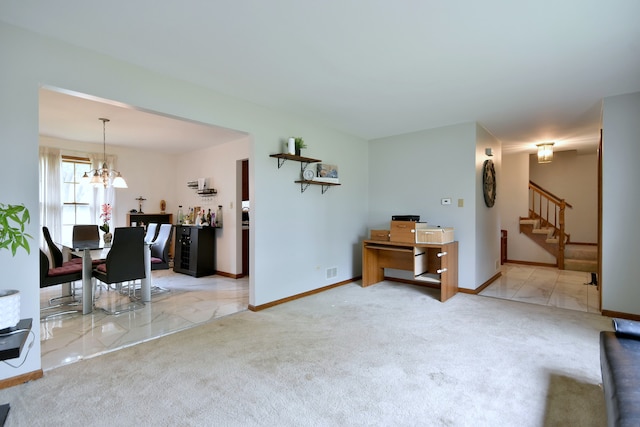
column 386, row 355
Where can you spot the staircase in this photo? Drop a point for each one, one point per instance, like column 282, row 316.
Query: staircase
column 545, row 226
column 544, row 235
column 581, row 258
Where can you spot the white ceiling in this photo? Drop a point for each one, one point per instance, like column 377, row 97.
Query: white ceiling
column 75, row 117
column 529, row 71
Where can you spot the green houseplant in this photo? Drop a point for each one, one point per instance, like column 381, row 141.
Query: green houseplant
column 13, row 219
column 299, row 145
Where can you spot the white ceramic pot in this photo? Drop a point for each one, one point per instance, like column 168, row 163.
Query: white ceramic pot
column 9, row 308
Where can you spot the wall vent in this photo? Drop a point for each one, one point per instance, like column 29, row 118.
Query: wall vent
column 332, row 272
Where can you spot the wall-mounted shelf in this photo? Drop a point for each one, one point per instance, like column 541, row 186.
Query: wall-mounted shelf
column 304, row 184
column 204, row 192
column 11, row 344
column 207, row 192
column 283, row 157
column 304, row 162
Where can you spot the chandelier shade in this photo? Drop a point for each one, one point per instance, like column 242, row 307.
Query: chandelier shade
column 545, row 152
column 102, row 176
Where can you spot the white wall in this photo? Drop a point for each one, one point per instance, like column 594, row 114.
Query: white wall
column 148, row 174
column 573, row 177
column 621, row 204
column 295, row 237
column 218, row 165
column 487, row 232
column 409, row 174
column 159, row 176
column 514, row 203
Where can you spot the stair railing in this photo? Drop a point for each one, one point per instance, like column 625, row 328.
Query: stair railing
column 550, row 209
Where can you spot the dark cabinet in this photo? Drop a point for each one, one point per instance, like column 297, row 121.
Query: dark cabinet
column 143, row 219
column 245, row 252
column 245, row 180
column 195, row 250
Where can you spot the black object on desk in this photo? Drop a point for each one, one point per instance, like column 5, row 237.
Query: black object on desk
column 11, row 344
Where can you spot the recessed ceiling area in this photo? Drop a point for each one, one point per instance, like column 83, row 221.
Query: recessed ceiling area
column 73, row 116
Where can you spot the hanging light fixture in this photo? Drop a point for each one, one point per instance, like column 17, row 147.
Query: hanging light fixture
column 545, row 152
column 101, row 176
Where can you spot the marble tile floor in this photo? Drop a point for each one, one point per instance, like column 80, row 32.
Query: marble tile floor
column 189, row 301
column 546, row 286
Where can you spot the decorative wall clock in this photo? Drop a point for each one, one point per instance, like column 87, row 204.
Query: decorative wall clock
column 308, row 174
column 489, row 183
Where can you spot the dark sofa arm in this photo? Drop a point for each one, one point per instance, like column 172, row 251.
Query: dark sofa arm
column 627, row 328
column 619, row 361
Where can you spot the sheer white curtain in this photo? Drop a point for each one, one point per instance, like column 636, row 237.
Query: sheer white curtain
column 51, row 212
column 50, row 197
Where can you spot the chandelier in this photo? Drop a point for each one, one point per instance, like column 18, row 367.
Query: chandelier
column 101, row 176
column 545, row 152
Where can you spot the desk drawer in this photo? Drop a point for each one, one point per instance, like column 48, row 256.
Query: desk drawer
column 405, row 231
column 382, row 235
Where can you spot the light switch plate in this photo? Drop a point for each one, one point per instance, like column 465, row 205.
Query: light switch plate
column 445, row 201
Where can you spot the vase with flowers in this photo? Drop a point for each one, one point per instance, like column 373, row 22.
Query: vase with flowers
column 106, row 217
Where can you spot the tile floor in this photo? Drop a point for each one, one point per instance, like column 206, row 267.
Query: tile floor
column 189, row 301
column 546, row 286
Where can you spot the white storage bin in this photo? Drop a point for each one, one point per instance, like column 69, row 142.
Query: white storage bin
column 435, row 235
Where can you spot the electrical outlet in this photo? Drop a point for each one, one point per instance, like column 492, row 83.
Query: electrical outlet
column 446, row 201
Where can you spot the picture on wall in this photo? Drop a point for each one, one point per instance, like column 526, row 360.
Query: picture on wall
column 327, row 173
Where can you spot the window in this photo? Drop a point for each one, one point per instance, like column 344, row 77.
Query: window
column 76, row 198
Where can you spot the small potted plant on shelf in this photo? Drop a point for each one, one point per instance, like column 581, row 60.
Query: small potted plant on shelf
column 13, row 219
column 299, row 145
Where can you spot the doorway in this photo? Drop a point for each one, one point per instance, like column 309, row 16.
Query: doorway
column 246, row 207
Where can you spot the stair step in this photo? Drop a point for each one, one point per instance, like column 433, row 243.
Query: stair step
column 543, row 230
column 554, row 240
column 586, row 252
column 581, row 265
column 529, row 221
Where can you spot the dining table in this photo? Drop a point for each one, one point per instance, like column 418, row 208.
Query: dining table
column 85, row 248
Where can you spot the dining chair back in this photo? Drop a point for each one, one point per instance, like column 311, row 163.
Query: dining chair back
column 160, row 248
column 54, row 250
column 125, row 260
column 151, row 232
column 85, row 232
column 50, row 276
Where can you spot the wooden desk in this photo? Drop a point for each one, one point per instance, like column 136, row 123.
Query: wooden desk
column 433, row 264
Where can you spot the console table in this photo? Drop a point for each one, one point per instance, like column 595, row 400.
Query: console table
column 433, row 264
column 11, row 345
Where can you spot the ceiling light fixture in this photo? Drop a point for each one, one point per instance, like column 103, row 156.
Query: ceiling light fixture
column 101, row 176
column 545, row 152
